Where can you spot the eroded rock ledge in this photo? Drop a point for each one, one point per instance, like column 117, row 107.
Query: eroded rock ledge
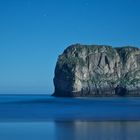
column 98, row 70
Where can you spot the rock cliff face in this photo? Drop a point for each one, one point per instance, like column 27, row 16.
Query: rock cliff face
column 98, row 70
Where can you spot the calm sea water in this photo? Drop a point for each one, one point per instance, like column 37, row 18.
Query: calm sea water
column 42, row 117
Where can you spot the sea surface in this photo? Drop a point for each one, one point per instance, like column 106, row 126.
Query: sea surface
column 43, row 117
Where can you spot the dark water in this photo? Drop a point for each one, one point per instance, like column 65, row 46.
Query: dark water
column 42, row 117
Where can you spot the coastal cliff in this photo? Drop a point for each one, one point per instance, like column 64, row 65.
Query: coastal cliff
column 98, row 70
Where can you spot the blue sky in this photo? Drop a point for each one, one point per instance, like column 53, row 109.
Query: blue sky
column 34, row 32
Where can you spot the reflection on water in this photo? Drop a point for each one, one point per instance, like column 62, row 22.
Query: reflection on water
column 71, row 130
column 97, row 130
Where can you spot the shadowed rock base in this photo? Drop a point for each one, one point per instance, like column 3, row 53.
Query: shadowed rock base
column 117, row 92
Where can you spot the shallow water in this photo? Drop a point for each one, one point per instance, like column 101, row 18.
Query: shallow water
column 42, row 117
column 70, row 130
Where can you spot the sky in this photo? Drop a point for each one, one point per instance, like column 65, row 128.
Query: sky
column 34, row 32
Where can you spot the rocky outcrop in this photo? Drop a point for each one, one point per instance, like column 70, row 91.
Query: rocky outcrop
column 98, row 70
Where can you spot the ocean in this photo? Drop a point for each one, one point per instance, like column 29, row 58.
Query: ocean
column 43, row 117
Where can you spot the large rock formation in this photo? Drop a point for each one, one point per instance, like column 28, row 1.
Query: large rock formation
column 98, row 70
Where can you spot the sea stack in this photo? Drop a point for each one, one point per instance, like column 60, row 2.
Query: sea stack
column 97, row 70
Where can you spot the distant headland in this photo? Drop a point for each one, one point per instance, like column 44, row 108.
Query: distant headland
column 97, row 70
